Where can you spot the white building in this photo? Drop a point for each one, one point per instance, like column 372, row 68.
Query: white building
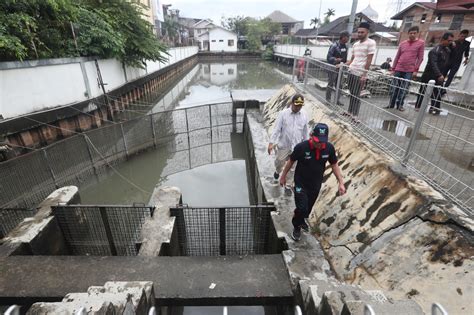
column 218, row 39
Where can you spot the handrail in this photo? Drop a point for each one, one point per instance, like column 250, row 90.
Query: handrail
column 435, row 307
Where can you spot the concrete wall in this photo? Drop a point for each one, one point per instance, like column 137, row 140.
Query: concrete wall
column 218, row 39
column 31, row 86
column 381, row 54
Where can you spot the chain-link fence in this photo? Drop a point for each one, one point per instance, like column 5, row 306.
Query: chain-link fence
column 427, row 127
column 102, row 230
column 201, row 134
column 223, row 231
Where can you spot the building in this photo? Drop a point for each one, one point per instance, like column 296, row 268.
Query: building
column 289, row 25
column 334, row 28
column 147, row 10
column 434, row 19
column 218, row 39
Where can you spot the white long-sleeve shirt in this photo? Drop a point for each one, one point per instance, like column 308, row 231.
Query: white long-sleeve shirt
column 290, row 129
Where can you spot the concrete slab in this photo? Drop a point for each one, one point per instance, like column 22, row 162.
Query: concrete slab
column 249, row 280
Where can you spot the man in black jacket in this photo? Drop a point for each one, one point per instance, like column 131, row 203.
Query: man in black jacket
column 337, row 53
column 459, row 48
column 438, row 60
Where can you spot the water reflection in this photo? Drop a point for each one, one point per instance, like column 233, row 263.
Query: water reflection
column 397, row 127
column 202, row 180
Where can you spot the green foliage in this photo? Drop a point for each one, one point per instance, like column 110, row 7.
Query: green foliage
column 237, row 24
column 255, row 30
column 327, row 16
column 34, row 29
column 314, row 22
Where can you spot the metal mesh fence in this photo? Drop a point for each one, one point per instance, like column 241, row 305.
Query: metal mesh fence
column 10, row 218
column 223, row 231
column 437, row 145
column 201, row 130
column 102, row 230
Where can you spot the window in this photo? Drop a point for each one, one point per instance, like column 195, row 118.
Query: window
column 230, row 42
column 423, row 18
column 408, row 23
column 213, row 40
column 199, row 31
column 221, row 40
column 457, row 21
column 230, row 71
column 438, row 18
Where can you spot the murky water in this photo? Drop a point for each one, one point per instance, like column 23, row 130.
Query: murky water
column 211, row 184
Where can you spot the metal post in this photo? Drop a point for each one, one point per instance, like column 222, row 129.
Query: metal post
column 187, row 132
column 108, row 231
column 45, row 155
column 294, row 70
column 306, row 71
column 419, row 119
column 124, row 140
column 222, row 248
column 153, row 129
column 350, row 26
column 210, row 126
column 87, row 139
column 338, row 83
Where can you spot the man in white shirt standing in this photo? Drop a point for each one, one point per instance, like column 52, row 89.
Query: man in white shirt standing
column 362, row 54
column 291, row 128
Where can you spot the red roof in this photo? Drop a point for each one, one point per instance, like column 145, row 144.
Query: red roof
column 453, row 4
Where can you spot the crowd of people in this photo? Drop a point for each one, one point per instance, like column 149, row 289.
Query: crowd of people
column 301, row 153
column 444, row 60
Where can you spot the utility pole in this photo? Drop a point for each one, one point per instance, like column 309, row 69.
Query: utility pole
column 319, row 21
column 350, row 26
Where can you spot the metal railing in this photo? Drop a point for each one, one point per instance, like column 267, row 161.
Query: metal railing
column 28, row 179
column 438, row 146
column 223, row 231
column 102, row 230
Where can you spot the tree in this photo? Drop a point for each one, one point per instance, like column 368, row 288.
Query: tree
column 327, row 16
column 171, row 27
column 35, row 29
column 314, row 22
column 237, row 24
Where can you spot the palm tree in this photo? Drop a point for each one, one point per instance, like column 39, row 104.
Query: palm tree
column 328, row 15
column 314, row 22
column 171, row 28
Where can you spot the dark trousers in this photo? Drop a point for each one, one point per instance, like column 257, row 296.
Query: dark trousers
column 332, row 81
column 355, row 87
column 435, row 96
column 451, row 72
column 399, row 88
column 304, row 202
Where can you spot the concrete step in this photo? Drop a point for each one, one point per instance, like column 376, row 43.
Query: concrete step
column 406, row 307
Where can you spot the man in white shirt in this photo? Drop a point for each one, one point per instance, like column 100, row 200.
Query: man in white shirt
column 362, row 54
column 291, row 128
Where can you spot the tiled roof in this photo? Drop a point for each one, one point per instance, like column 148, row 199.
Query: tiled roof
column 280, row 17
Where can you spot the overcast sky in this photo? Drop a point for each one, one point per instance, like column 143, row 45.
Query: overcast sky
column 298, row 9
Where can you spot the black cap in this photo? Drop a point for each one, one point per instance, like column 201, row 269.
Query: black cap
column 321, row 131
column 365, row 25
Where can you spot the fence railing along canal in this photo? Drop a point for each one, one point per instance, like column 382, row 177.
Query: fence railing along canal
column 199, row 132
column 432, row 136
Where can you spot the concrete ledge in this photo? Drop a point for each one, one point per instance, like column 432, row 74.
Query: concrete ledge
column 249, row 280
column 40, row 235
column 158, row 233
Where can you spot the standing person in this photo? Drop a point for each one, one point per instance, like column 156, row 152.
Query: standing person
column 311, row 156
column 291, row 128
column 406, row 64
column 438, row 61
column 386, row 64
column 362, row 54
column 337, row 53
column 459, row 48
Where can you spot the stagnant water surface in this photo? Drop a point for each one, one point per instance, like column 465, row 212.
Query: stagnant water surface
column 211, row 184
